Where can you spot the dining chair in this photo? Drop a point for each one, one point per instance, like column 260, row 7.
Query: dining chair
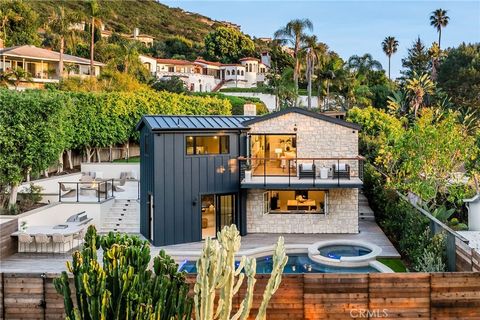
column 79, row 236
column 43, row 240
column 60, row 239
column 25, row 240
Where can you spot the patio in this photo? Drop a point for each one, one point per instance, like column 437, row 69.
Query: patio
column 369, row 232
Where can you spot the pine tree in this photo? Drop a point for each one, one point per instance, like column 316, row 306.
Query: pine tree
column 417, row 60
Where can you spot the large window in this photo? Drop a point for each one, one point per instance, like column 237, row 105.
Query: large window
column 203, row 145
column 295, row 201
column 273, row 154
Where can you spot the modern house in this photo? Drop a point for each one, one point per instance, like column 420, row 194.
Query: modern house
column 43, row 64
column 206, row 76
column 293, row 171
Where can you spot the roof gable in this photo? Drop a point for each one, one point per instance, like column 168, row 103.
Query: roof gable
column 305, row 113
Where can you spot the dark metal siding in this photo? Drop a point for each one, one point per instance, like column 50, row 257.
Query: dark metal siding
column 180, row 180
column 146, row 176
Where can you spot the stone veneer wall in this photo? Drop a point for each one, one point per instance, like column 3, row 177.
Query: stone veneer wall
column 342, row 215
column 315, row 138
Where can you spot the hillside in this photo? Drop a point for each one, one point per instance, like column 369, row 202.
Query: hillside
column 151, row 17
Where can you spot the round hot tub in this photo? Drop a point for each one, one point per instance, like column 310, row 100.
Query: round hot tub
column 337, row 251
column 345, row 253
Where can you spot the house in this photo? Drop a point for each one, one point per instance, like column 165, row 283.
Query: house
column 206, row 76
column 292, row 171
column 146, row 39
column 43, row 64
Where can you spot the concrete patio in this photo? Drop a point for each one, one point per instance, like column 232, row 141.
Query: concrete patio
column 369, row 232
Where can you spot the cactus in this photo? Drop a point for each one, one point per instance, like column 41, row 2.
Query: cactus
column 216, row 270
column 122, row 286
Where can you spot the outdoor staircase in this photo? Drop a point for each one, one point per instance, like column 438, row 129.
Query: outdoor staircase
column 364, row 210
column 123, row 216
column 218, row 86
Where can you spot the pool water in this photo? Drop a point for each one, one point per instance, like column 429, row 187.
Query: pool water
column 297, row 263
column 338, row 251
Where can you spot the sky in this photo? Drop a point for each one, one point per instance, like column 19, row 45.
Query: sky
column 350, row 27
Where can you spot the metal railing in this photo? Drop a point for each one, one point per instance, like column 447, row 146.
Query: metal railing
column 78, row 191
column 320, row 170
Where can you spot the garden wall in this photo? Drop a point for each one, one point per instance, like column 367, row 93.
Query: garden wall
column 310, row 296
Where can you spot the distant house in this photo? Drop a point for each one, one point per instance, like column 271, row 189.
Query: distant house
column 43, row 64
column 206, row 76
column 146, row 39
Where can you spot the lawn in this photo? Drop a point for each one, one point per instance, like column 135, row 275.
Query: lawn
column 131, row 159
column 396, row 265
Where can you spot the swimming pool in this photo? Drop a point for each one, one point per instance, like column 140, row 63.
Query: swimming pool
column 297, row 263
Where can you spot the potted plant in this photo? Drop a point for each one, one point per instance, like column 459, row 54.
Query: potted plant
column 248, row 172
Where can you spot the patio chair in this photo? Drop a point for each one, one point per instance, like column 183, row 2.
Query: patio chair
column 122, row 182
column 60, row 239
column 68, row 192
column 342, row 172
column 306, row 170
column 79, row 236
column 43, row 240
column 26, row 240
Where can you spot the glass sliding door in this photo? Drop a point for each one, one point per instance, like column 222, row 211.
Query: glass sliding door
column 217, row 211
column 273, row 154
column 225, row 210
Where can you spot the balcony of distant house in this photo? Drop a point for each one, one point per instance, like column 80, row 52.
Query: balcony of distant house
column 43, row 65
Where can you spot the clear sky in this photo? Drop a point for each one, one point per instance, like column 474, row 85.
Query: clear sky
column 350, row 27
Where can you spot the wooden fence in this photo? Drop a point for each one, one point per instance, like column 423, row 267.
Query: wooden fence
column 309, row 296
column 8, row 244
column 467, row 259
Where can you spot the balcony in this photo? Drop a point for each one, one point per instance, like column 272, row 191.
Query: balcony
column 298, row 173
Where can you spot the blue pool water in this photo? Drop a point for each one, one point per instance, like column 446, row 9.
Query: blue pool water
column 338, row 251
column 298, row 263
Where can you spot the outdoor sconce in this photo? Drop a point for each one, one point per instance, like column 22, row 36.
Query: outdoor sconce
column 194, row 202
column 221, row 169
column 295, row 127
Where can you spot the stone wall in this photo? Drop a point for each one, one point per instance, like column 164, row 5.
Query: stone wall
column 342, row 216
column 316, row 138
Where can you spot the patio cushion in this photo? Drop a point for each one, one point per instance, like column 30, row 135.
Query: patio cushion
column 342, row 166
column 307, row 166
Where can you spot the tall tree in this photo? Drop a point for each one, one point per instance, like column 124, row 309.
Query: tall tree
column 439, row 20
column 19, row 22
column 60, row 25
column 417, row 60
column 294, row 33
column 228, row 45
column 95, row 14
column 364, row 64
column 389, row 46
column 313, row 51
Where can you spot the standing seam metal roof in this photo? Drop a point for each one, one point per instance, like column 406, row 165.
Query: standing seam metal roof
column 166, row 122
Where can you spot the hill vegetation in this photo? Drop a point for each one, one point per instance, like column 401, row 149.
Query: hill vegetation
column 150, row 16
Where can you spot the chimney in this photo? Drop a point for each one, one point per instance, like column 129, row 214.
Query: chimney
column 136, row 32
column 249, row 109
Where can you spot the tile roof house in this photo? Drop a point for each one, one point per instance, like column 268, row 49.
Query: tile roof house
column 43, row 64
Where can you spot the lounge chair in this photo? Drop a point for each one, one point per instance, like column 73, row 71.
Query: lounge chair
column 342, row 172
column 67, row 192
column 306, row 170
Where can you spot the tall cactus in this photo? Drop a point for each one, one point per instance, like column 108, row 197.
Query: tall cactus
column 216, row 270
column 122, row 286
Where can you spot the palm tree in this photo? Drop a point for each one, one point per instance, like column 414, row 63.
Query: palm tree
column 363, row 64
column 389, row 46
column 436, row 54
column 312, row 50
column 14, row 77
column 439, row 20
column 60, row 25
column 95, row 13
column 417, row 87
column 294, row 33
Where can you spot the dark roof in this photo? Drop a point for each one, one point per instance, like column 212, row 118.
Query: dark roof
column 306, row 113
column 170, row 122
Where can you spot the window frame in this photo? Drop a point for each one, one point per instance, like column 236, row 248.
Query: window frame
column 266, row 200
column 222, row 141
